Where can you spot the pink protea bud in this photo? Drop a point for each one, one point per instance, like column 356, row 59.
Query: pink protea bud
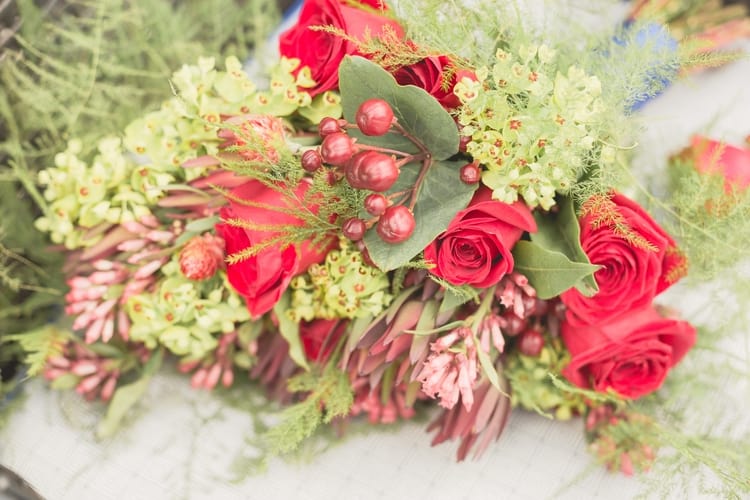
column 201, row 257
column 255, row 136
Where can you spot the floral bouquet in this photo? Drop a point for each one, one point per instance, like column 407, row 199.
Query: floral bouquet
column 393, row 222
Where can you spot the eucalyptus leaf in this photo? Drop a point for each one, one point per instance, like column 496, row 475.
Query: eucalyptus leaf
column 416, row 110
column 290, row 331
column 441, row 195
column 549, row 272
column 560, row 232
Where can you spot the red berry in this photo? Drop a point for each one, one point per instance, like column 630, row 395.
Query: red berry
column 531, row 343
column 354, row 229
column 470, row 173
column 372, row 170
column 375, row 204
column 513, row 324
column 337, row 149
column 374, row 117
column 328, row 126
column 396, row 224
column 311, row 160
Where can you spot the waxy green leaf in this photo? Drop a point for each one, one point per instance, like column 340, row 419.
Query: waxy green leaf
column 549, row 272
column 441, row 195
column 560, row 232
column 416, row 110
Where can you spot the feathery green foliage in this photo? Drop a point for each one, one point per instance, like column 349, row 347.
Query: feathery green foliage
column 330, row 396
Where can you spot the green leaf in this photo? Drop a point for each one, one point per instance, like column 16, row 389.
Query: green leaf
column 106, row 350
column 560, row 232
column 549, row 272
column 440, row 197
column 488, row 368
column 124, row 398
column 154, row 363
column 416, row 110
column 290, row 331
column 457, row 296
column 65, row 381
column 127, row 396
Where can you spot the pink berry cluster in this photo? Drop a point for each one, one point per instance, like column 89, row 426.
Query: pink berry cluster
column 367, row 168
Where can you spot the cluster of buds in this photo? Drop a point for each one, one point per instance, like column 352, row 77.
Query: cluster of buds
column 370, row 400
column 627, row 452
column 92, row 375
column 96, row 299
column 368, row 168
column 207, row 373
column 522, row 314
column 450, row 370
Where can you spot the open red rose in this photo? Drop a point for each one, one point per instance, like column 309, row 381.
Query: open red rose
column 320, row 336
column 322, row 52
column 631, row 355
column 263, row 278
column 731, row 162
column 632, row 272
column 475, row 248
column 428, row 74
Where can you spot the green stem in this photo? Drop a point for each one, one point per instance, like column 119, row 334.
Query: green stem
column 484, row 308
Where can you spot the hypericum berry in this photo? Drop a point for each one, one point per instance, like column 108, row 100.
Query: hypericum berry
column 514, row 325
column 337, row 149
column 374, row 117
column 396, row 224
column 354, row 229
column 372, row 170
column 375, row 204
column 328, row 126
column 531, row 343
column 311, row 160
column 470, row 173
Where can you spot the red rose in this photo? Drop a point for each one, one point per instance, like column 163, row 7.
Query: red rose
column 633, row 271
column 428, row 74
column 475, row 248
column 320, row 336
column 631, row 355
column 729, row 161
column 262, row 278
column 322, row 52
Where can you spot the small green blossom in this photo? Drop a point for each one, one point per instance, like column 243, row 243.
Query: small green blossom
column 184, row 315
column 532, row 387
column 532, row 126
column 343, row 286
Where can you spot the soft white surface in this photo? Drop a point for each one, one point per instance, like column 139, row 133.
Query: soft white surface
column 183, row 443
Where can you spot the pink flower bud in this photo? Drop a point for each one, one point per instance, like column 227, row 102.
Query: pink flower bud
column 201, row 257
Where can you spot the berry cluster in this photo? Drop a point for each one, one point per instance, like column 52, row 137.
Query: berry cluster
column 368, row 168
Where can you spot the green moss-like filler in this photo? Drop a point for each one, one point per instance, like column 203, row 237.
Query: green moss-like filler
column 185, row 316
column 343, row 286
column 533, row 389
